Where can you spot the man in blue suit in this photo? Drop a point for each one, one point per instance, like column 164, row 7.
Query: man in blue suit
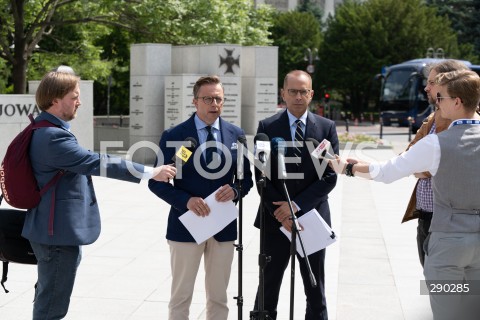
column 205, row 173
column 67, row 216
column 308, row 192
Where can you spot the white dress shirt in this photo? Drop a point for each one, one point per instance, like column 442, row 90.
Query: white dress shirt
column 422, row 156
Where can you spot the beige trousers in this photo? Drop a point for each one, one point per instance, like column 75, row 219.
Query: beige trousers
column 185, row 260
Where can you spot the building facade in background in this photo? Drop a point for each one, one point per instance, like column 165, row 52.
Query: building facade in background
column 327, row 6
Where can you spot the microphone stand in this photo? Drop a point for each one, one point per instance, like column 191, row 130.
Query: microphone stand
column 239, row 248
column 263, row 260
column 293, row 252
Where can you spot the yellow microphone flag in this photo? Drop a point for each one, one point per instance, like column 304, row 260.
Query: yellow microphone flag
column 184, row 154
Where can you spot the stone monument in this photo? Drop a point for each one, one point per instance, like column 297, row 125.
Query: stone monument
column 162, row 79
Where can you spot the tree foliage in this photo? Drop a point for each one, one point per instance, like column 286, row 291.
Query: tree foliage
column 24, row 24
column 201, row 21
column 463, row 15
column 293, row 32
column 178, row 23
column 363, row 37
column 94, row 37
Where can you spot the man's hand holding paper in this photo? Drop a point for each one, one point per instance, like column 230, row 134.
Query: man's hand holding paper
column 316, row 233
column 214, row 215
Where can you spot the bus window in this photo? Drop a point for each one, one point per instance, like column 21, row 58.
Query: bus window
column 398, row 86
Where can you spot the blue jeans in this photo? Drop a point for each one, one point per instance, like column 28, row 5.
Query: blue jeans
column 57, row 267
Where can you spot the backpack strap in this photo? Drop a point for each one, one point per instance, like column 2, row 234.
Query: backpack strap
column 4, row 275
column 52, row 200
column 41, row 124
column 53, row 181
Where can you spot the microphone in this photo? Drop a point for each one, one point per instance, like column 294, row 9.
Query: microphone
column 262, row 147
column 241, row 145
column 279, row 147
column 314, row 142
column 185, row 151
column 321, row 151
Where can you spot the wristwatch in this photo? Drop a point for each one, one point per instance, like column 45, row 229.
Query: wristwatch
column 349, row 170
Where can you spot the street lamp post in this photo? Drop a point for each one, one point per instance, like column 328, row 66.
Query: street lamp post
column 435, row 53
column 311, row 57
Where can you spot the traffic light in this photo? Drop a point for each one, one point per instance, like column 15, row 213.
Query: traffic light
column 327, row 97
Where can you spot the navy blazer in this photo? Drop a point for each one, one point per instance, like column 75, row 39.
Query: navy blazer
column 76, row 218
column 312, row 190
column 195, row 183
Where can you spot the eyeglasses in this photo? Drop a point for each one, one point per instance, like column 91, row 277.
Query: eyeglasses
column 439, row 98
column 294, row 92
column 209, row 100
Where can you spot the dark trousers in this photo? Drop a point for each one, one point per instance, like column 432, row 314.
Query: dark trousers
column 57, row 269
column 277, row 246
column 424, row 221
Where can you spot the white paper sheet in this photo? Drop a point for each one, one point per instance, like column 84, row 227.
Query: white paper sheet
column 202, row 228
column 316, row 233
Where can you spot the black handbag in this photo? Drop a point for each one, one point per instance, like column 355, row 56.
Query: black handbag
column 13, row 247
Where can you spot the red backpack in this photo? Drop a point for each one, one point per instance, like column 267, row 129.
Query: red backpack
column 17, row 181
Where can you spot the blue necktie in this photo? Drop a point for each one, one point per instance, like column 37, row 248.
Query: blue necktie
column 210, row 150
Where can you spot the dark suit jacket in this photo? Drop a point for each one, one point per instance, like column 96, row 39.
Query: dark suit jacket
column 76, row 219
column 192, row 182
column 311, row 191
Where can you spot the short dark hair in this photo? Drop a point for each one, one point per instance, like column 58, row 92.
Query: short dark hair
column 205, row 81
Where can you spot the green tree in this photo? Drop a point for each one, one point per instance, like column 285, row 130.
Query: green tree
column 363, row 37
column 24, row 24
column 463, row 15
column 72, row 45
column 196, row 21
column 94, row 37
column 293, row 32
column 178, row 23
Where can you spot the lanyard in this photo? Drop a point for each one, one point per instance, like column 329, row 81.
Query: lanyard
column 459, row 122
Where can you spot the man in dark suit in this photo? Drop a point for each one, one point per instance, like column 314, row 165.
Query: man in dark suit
column 203, row 174
column 67, row 216
column 307, row 192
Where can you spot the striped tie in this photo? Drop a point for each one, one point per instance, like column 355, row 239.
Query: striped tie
column 298, row 142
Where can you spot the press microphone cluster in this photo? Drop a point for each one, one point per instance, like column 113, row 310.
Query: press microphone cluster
column 185, row 151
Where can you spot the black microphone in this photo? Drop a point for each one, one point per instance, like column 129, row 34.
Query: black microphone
column 314, row 142
column 279, row 147
column 185, row 151
column 241, row 146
